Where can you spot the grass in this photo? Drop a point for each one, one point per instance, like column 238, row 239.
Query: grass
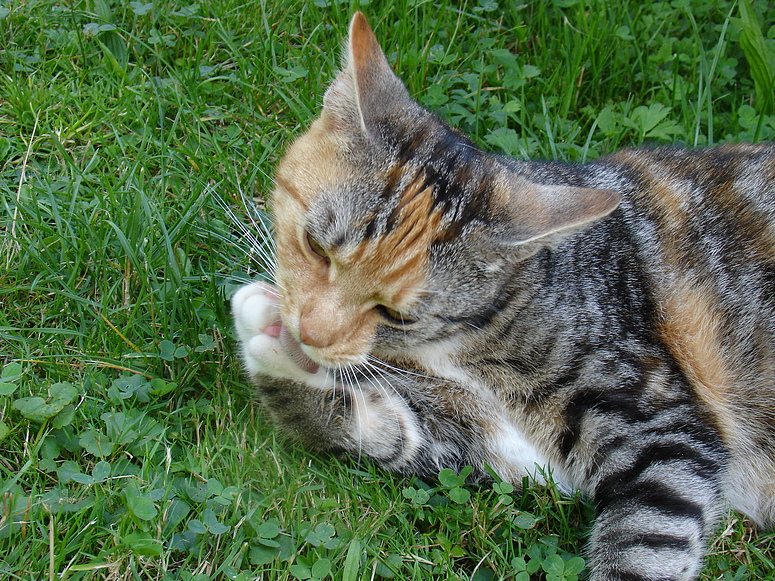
column 129, row 445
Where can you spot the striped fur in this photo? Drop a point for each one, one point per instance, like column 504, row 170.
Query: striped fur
column 612, row 322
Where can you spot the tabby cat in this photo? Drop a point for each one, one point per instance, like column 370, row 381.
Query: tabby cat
column 611, row 323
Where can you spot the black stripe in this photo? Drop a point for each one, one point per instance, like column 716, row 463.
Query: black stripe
column 574, row 412
column 568, row 438
column 703, row 465
column 371, row 228
column 409, row 144
column 482, row 318
column 653, row 494
column 622, row 403
column 602, row 453
column 295, row 419
column 282, row 402
column 624, row 487
column 654, row 541
column 631, row 576
column 699, row 431
column 660, row 452
column 665, row 499
column 269, row 390
column 521, row 365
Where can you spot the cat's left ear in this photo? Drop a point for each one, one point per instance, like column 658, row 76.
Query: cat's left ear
column 367, row 90
column 549, row 212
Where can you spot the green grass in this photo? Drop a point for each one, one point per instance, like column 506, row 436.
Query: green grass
column 130, row 447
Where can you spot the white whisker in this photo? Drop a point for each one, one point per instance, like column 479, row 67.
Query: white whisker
column 331, row 375
column 256, row 238
column 263, row 246
column 376, row 361
column 356, row 390
column 380, row 380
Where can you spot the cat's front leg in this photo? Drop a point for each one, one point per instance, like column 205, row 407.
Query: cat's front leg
column 316, row 405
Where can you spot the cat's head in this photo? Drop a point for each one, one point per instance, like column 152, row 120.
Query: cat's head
column 393, row 229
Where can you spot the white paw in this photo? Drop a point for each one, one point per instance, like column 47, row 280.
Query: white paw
column 255, row 307
column 266, row 348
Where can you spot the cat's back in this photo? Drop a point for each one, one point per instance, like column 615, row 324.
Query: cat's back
column 703, row 222
column 728, row 186
column 702, row 219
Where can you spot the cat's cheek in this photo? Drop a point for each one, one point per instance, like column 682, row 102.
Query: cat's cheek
column 265, row 355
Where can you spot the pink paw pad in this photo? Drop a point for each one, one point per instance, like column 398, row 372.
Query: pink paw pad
column 274, row 330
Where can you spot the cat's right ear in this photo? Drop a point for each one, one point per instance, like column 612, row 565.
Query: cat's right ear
column 366, row 91
column 548, row 213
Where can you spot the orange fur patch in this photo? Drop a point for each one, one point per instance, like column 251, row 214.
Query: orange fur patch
column 692, row 330
column 310, row 165
column 398, row 259
column 664, row 196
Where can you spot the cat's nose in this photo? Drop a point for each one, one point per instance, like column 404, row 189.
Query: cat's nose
column 313, row 337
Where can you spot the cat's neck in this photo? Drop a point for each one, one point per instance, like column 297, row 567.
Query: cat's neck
column 561, row 297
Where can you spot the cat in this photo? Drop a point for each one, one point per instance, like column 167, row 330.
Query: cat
column 611, row 323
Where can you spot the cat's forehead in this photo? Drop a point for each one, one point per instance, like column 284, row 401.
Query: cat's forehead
column 381, row 241
column 338, row 216
column 377, row 222
column 348, row 188
column 379, row 206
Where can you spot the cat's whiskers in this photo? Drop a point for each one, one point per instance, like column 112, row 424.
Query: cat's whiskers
column 380, row 380
column 248, row 251
column 376, row 362
column 388, row 376
column 391, row 376
column 450, row 322
column 239, row 279
column 259, row 238
column 255, row 245
column 331, row 375
column 383, row 383
column 354, row 387
column 266, row 257
column 335, row 374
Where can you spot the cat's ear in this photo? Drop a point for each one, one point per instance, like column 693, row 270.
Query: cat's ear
column 549, row 213
column 366, row 90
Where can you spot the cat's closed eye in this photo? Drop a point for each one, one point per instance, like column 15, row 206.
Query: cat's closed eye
column 317, row 249
column 394, row 317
